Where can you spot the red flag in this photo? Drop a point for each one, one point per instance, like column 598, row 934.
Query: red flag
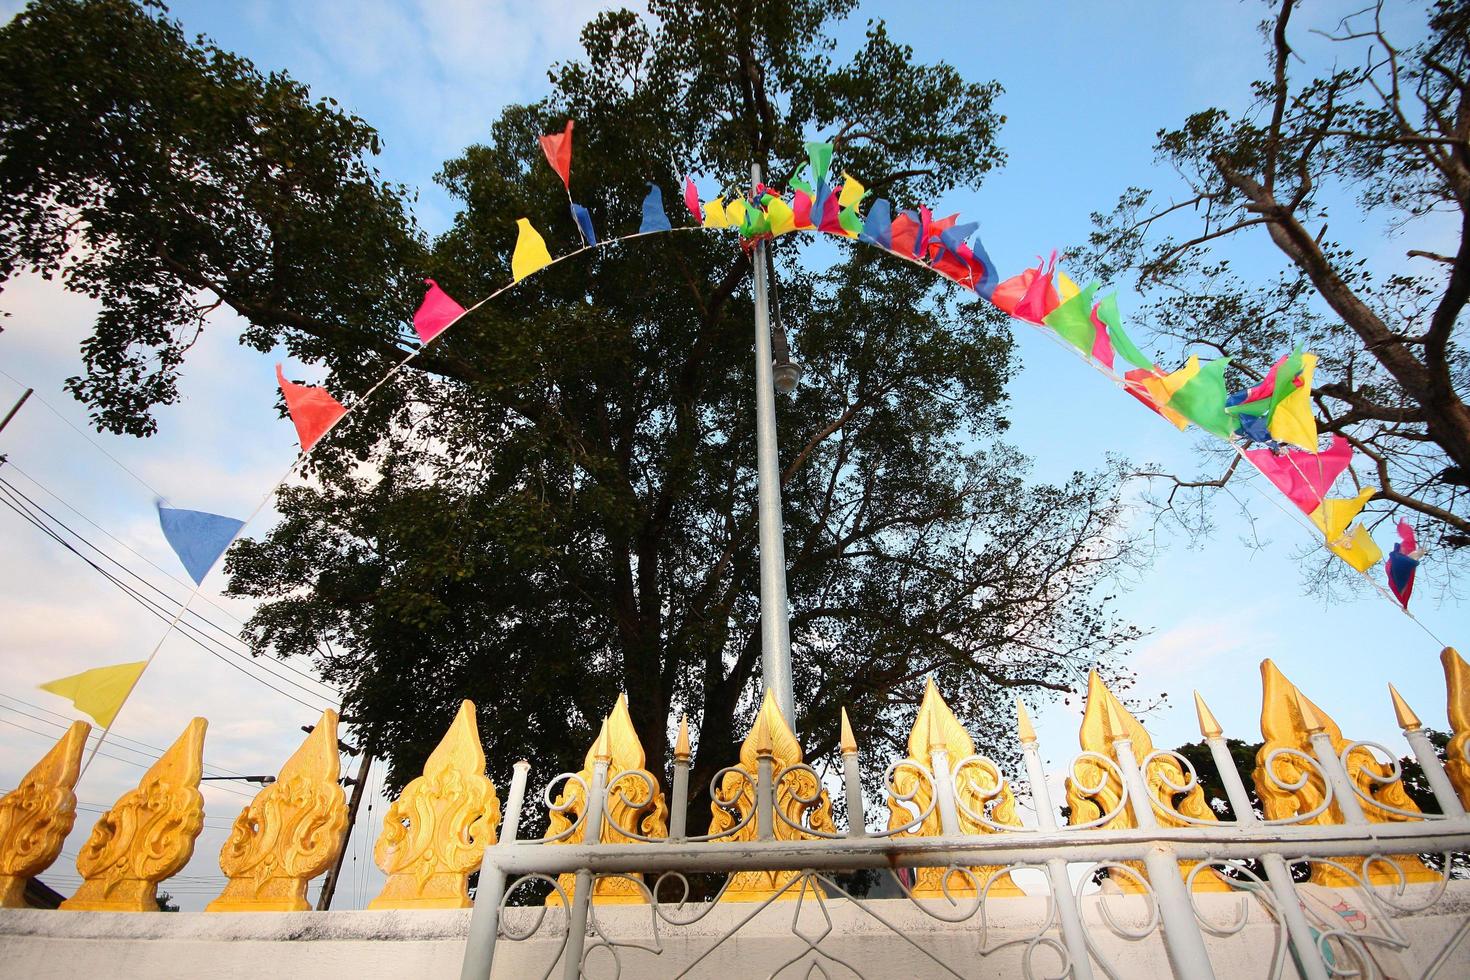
column 1010, row 293
column 801, row 208
column 905, row 233
column 691, row 200
column 313, row 410
column 558, row 150
column 436, row 312
column 1041, row 296
column 1102, row 344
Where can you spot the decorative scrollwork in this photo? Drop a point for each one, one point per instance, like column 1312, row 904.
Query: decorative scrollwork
column 1307, row 768
column 1095, row 777
column 1381, row 774
column 981, row 791
column 1139, row 888
column 727, row 788
column 806, row 792
column 567, row 801
column 902, row 794
column 36, row 816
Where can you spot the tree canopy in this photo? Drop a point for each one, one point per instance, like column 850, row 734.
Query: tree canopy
column 557, row 502
column 1325, row 161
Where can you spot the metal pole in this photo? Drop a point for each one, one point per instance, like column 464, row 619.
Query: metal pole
column 479, row 952
column 775, row 632
column 15, row 408
column 329, row 887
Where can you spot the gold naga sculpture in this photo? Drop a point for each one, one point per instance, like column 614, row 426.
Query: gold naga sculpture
column 1288, row 721
column 36, row 816
column 770, row 737
column 290, row 833
column 1104, row 722
column 148, row 834
column 976, row 786
column 437, row 830
column 634, row 801
column 1457, row 694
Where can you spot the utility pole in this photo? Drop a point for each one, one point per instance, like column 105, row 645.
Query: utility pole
column 775, row 629
column 15, row 408
column 359, row 787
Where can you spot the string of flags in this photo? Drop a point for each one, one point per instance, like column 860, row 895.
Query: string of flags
column 1270, row 424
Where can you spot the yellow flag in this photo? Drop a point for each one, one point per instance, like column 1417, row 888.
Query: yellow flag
column 1292, row 421
column 1357, row 549
column 714, row 213
column 1334, row 515
column 1162, row 389
column 782, row 218
column 1066, row 288
column 735, row 212
column 530, row 253
column 852, row 191
column 99, row 692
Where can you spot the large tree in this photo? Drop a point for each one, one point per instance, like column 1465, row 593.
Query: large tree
column 555, row 502
column 1382, row 133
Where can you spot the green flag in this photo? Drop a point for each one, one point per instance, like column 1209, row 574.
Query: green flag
column 1073, row 320
column 1202, row 400
column 1107, row 312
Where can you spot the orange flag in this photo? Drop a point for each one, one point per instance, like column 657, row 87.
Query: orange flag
column 313, row 410
column 558, row 150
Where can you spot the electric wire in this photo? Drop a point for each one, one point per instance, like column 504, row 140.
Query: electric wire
column 261, row 664
column 95, row 445
column 222, row 610
column 190, row 632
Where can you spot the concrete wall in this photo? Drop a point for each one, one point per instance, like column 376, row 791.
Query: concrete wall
column 42, row 945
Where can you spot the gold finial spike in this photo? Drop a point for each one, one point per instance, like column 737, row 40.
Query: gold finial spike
column 1024, row 729
column 36, row 816
column 1407, row 720
column 601, row 749
column 846, row 741
column 148, row 835
column 435, row 833
column 1112, row 710
column 1310, row 719
column 1208, row 726
column 290, row 833
column 681, row 744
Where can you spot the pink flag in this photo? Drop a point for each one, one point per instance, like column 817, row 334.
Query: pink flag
column 1102, row 344
column 801, row 207
column 1041, row 296
column 1304, row 477
column 436, row 312
column 691, row 200
column 558, row 150
column 1407, row 541
column 831, row 220
column 313, row 410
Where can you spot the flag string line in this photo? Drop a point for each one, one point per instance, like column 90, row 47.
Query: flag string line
column 393, row 372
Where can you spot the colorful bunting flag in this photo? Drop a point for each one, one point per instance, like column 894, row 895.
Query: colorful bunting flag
column 820, row 155
column 1155, row 389
column 1336, row 513
column 435, row 313
column 1292, row 419
column 1201, row 399
column 654, row 218
column 691, row 200
column 1107, row 312
column 1357, row 549
column 1066, row 288
column 735, row 213
column 878, row 226
column 1403, row 562
column 198, row 538
column 584, row 224
column 558, row 150
column 1280, row 381
column 852, row 192
column 982, row 270
column 530, row 253
column 1102, row 347
column 313, row 410
column 1040, row 299
column 1303, row 476
column 99, row 692
column 782, row 218
column 1072, row 319
column 714, row 214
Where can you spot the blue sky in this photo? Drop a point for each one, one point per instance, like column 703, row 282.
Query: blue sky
column 1086, row 89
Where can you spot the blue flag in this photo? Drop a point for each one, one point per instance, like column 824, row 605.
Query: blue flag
column 197, row 538
column 584, row 222
column 654, row 218
column 878, row 226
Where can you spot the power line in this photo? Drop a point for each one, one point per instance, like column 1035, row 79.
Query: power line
column 5, row 485
column 191, row 633
column 163, row 571
column 95, row 445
